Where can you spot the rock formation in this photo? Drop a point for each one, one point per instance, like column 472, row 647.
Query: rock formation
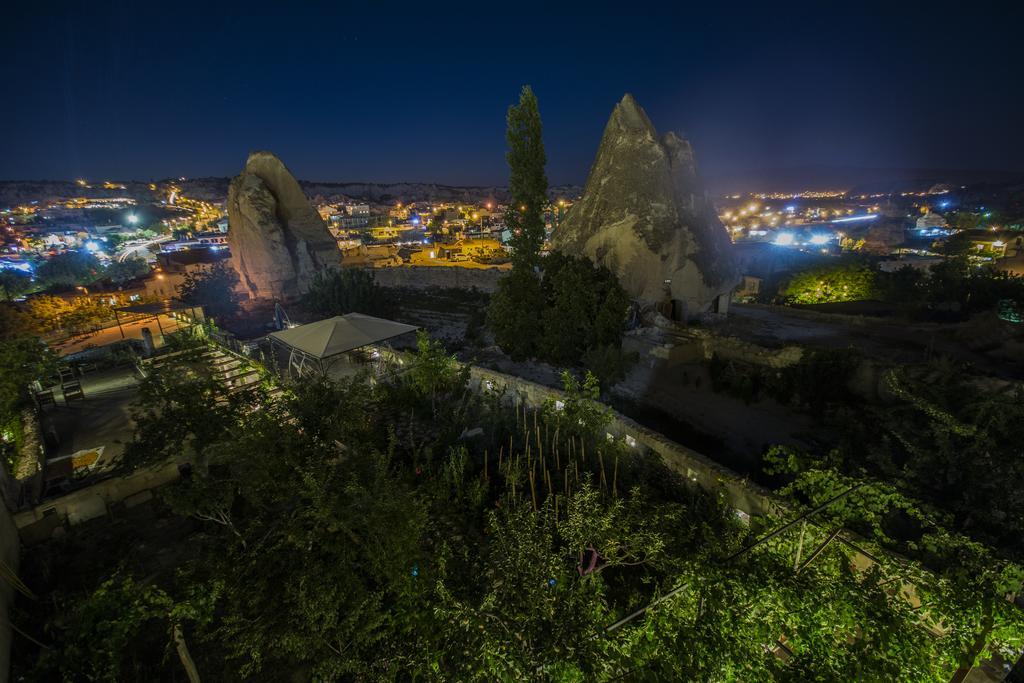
column 278, row 240
column 645, row 215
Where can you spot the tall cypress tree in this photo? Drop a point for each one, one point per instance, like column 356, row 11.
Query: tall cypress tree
column 527, row 183
column 514, row 313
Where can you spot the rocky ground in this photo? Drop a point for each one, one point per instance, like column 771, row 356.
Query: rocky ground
column 990, row 345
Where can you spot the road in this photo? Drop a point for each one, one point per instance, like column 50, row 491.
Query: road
column 133, row 248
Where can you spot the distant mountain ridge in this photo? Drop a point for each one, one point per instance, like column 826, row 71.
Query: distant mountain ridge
column 789, row 179
column 860, row 179
column 215, row 189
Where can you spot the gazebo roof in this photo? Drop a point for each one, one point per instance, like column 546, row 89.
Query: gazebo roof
column 342, row 333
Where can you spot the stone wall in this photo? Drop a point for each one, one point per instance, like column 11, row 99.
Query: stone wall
column 29, row 474
column 742, row 494
column 444, row 277
column 698, row 345
column 731, row 348
column 38, row 523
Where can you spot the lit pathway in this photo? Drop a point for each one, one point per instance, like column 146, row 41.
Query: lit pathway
column 111, row 335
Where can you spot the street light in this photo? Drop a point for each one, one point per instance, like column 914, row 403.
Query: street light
column 133, row 219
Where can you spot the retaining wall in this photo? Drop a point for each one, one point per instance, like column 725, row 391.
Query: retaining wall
column 742, row 494
column 443, row 277
column 38, row 523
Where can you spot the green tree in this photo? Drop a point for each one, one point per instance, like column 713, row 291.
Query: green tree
column 69, row 269
column 13, row 284
column 584, row 308
column 905, row 286
column 129, row 269
column 214, row 288
column 184, row 410
column 14, row 323
column 48, row 311
column 851, row 281
column 527, row 183
column 109, row 628
column 433, row 370
column 965, row 220
column 23, row 360
column 513, row 312
column 957, row 245
column 346, row 290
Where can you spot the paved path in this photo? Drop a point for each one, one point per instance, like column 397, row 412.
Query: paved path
column 114, row 334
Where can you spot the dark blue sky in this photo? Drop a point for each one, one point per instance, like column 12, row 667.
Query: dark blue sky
column 388, row 92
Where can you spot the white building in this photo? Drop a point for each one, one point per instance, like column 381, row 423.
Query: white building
column 930, row 221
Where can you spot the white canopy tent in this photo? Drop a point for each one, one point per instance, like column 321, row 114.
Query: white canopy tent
column 314, row 344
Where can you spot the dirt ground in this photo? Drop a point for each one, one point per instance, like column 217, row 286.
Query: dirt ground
column 985, row 342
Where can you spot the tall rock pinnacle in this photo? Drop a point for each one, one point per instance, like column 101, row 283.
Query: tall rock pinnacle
column 278, row 240
column 644, row 214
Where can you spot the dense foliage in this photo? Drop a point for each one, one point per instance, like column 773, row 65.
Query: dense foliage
column 949, row 439
column 69, row 269
column 513, row 313
column 954, row 284
column 13, row 284
column 847, row 281
column 81, row 314
column 214, row 288
column 368, row 531
column 527, row 182
column 128, row 269
column 348, row 290
column 23, row 360
column 579, row 317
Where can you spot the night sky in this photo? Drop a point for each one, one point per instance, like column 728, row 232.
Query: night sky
column 385, row 92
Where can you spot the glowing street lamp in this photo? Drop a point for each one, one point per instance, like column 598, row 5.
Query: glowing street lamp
column 133, row 219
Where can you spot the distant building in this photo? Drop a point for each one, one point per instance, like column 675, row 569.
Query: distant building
column 204, row 240
column 350, row 222
column 374, row 255
column 931, row 221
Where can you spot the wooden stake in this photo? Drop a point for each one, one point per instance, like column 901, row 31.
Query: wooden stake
column 615, row 477
column 533, row 491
